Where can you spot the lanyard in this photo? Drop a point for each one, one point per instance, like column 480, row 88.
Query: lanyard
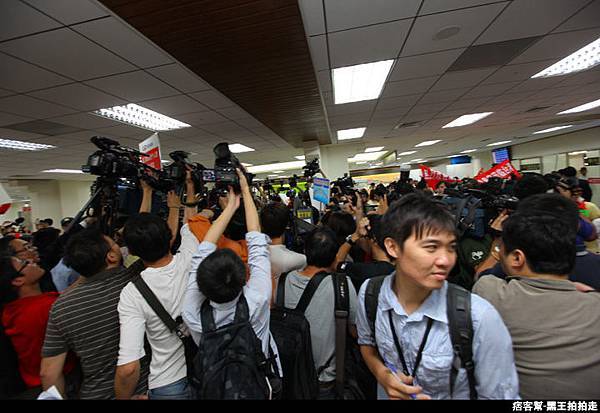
column 399, row 349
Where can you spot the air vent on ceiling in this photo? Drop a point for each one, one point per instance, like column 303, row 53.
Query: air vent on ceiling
column 536, row 109
column 409, row 124
column 491, row 54
column 43, row 127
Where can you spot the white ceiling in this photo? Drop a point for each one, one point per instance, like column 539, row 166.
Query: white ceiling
column 61, row 59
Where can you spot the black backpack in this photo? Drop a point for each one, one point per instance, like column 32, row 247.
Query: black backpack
column 291, row 332
column 230, row 363
column 459, row 323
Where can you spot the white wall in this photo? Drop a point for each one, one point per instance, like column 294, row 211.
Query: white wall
column 562, row 144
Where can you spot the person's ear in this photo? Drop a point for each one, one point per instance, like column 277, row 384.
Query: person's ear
column 517, row 260
column 392, row 247
column 112, row 257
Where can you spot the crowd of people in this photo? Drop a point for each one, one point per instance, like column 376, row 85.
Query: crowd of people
column 389, row 295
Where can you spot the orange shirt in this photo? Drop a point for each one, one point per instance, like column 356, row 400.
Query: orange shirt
column 199, row 226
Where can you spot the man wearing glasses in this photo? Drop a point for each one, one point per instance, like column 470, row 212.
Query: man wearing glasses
column 24, row 250
column 25, row 312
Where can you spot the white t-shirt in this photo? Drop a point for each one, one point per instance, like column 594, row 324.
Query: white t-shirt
column 284, row 260
column 137, row 317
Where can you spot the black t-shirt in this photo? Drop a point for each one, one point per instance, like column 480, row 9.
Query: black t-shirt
column 359, row 272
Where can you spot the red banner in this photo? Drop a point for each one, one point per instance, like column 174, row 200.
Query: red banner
column 151, row 146
column 503, row 170
column 433, row 177
column 594, row 181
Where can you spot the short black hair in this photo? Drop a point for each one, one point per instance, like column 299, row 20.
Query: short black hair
column 8, row 273
column 530, row 184
column 321, row 247
column 554, row 204
column 439, row 183
column 415, row 214
column 5, row 247
column 274, row 218
column 569, row 171
column 375, row 224
column 341, row 223
column 86, row 252
column 221, row 276
column 147, row 236
column 546, row 239
column 48, row 221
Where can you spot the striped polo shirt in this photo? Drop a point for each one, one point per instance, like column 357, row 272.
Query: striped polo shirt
column 85, row 320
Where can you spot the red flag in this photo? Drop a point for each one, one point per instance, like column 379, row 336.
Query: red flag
column 433, row 177
column 503, row 170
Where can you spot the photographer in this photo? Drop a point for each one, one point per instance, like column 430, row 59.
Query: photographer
column 381, row 263
column 219, row 276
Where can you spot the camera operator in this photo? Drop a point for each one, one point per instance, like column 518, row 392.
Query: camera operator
column 555, row 329
column 381, row 264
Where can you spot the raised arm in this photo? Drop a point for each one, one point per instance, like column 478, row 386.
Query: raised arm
column 252, row 221
column 220, row 224
column 174, row 204
column 146, row 204
column 190, row 197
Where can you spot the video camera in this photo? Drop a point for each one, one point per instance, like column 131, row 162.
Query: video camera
column 114, row 160
column 311, row 168
column 345, row 184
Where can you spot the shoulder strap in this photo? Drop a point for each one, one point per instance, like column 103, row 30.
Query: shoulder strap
column 156, row 306
column 461, row 334
column 310, row 290
column 242, row 313
column 372, row 301
column 280, row 296
column 342, row 311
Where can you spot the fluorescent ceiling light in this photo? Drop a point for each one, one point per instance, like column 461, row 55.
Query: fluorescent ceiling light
column 246, row 164
column 63, row 171
column 467, row 119
column 582, row 108
column 454, row 156
column 300, row 157
column 374, row 149
column 239, row 148
column 285, row 166
column 583, row 59
column 360, row 82
column 416, row 160
column 552, row 129
column 165, row 161
column 350, row 133
column 469, row 151
column 577, row 153
column 499, row 143
column 23, row 146
column 361, row 162
column 407, row 153
column 370, row 156
column 277, row 172
column 428, row 143
column 140, row 117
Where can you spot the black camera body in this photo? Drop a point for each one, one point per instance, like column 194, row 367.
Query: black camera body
column 311, row 168
column 345, row 184
column 224, row 173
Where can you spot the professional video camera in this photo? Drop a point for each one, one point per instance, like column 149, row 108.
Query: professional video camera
column 345, row 184
column 224, row 174
column 113, row 160
column 311, row 168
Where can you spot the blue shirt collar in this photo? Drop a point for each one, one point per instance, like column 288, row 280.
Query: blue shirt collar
column 433, row 307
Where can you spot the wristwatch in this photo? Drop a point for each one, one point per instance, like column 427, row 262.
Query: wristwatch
column 350, row 241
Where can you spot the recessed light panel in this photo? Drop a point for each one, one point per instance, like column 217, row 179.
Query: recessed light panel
column 407, row 153
column 23, row 146
column 140, row 117
column 467, row 119
column 428, row 143
column 552, row 129
column 374, row 149
column 239, row 148
column 583, row 59
column 499, row 143
column 581, row 108
column 346, row 134
column 63, row 171
column 360, row 82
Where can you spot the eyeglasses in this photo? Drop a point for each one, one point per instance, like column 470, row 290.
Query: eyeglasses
column 25, row 264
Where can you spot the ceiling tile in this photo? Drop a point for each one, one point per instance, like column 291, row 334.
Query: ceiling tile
column 180, row 77
column 346, row 14
column 84, row 120
column 18, row 19
column 4, row 93
column 367, row 44
column 462, row 78
column 212, row 99
column 68, row 53
column 318, row 52
column 524, row 18
column 34, row 108
column 408, row 87
column 131, row 134
column 234, row 113
column 470, row 21
column 516, row 72
column 424, row 65
column 436, row 6
column 134, row 86
column 324, row 79
column 70, row 11
column 23, row 77
column 312, row 16
column 444, row 96
column 124, row 41
column 557, row 46
column 490, row 90
column 174, row 105
column 398, row 101
column 9, row 119
column 79, row 96
column 584, row 19
column 349, row 108
column 202, row 118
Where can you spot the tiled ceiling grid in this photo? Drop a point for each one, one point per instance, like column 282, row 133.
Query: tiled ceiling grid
column 61, row 59
column 420, row 88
